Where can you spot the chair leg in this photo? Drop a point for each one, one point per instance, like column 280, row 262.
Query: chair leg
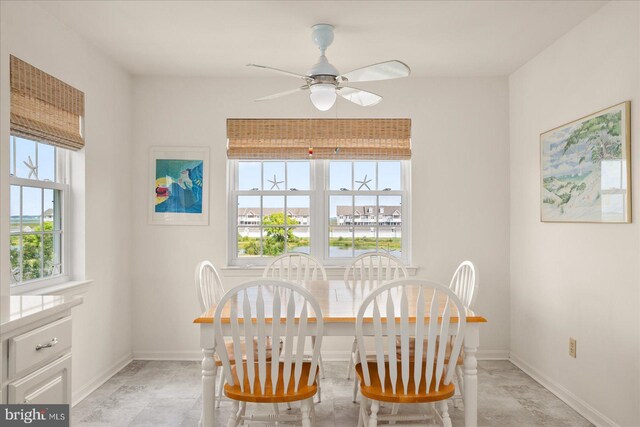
column 394, row 411
column 276, row 409
column 444, row 413
column 460, row 376
column 233, row 418
column 458, row 398
column 305, row 408
column 362, row 417
column 354, row 347
column 355, row 390
column 220, row 387
column 373, row 418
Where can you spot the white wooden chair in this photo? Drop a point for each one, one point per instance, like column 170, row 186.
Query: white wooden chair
column 287, row 377
column 296, row 268
column 370, row 270
column 210, row 291
column 409, row 378
column 465, row 286
column 208, row 284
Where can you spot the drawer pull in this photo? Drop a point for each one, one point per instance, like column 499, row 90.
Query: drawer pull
column 50, row 344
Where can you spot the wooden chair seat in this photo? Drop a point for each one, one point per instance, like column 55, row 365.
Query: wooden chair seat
column 412, row 347
column 281, row 395
column 232, row 356
column 374, row 391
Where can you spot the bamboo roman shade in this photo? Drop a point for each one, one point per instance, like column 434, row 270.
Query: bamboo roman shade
column 44, row 108
column 379, row 139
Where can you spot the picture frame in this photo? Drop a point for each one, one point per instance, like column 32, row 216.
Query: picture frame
column 585, row 168
column 178, row 192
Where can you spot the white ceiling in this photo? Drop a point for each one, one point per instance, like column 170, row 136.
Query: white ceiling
column 207, row 38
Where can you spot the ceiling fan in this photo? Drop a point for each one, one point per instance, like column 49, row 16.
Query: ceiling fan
column 325, row 82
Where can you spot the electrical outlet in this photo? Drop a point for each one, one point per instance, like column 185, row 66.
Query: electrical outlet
column 572, row 347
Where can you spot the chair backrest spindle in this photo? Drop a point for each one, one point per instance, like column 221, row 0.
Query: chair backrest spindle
column 296, row 268
column 375, row 268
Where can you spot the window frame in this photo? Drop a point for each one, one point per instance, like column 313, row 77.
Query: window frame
column 62, row 184
column 319, row 210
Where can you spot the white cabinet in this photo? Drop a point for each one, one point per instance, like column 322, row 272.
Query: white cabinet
column 48, row 385
column 35, row 349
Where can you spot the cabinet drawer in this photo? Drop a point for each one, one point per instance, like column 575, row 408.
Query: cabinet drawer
column 39, row 346
column 48, row 385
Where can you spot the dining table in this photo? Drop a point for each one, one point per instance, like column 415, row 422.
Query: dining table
column 339, row 301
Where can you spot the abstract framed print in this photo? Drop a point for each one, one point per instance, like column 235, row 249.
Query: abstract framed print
column 179, row 186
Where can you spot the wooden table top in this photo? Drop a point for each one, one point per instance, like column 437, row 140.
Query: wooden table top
column 340, row 301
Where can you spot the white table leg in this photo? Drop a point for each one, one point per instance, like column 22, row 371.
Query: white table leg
column 208, row 388
column 209, row 368
column 471, row 344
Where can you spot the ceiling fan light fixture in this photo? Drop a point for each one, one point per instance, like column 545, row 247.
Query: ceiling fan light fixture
column 323, row 96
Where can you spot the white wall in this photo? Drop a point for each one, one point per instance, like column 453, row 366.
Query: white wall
column 577, row 280
column 459, row 202
column 101, row 213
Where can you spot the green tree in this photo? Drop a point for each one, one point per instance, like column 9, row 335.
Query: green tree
column 31, row 245
column 274, row 236
column 277, row 233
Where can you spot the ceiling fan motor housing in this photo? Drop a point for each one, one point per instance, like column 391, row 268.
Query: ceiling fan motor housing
column 322, row 36
column 322, row 71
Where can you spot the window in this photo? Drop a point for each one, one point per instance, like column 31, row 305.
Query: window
column 273, row 208
column 365, row 208
column 333, row 210
column 38, row 192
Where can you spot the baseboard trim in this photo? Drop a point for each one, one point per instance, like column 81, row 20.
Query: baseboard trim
column 78, row 395
column 594, row 416
column 167, row 355
column 328, row 355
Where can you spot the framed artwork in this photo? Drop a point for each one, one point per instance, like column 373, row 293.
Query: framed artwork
column 179, row 186
column 586, row 169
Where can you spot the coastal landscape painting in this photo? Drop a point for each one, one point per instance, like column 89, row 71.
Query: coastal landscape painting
column 179, row 186
column 585, row 169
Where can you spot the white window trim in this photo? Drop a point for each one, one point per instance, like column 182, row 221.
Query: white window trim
column 62, row 183
column 318, row 212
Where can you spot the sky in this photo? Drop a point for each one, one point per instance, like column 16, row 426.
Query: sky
column 42, row 156
column 342, row 175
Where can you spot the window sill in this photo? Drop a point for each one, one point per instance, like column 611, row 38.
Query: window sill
column 333, row 271
column 70, row 288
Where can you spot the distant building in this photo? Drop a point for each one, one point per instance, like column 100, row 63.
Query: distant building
column 251, row 216
column 366, row 215
column 48, row 215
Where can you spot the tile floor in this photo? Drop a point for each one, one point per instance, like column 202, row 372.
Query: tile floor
column 167, row 393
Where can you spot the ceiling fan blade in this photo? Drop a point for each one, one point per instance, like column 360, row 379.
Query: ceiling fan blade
column 277, row 70
column 285, row 93
column 382, row 71
column 359, row 96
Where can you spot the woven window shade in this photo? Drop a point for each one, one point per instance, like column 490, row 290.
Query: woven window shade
column 44, row 108
column 378, row 139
